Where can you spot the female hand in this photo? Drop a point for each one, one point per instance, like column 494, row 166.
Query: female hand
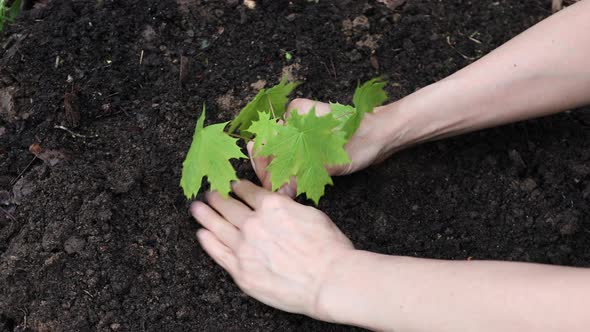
column 275, row 249
column 365, row 147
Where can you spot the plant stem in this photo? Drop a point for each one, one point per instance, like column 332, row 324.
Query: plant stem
column 343, row 115
column 272, row 110
column 238, row 136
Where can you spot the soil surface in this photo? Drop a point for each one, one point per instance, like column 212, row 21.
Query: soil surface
column 98, row 101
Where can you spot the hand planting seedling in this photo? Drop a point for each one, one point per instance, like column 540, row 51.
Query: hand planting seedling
column 301, row 145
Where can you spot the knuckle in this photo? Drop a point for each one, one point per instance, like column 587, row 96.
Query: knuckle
column 272, row 201
column 298, row 104
column 248, row 219
column 224, row 258
column 212, row 198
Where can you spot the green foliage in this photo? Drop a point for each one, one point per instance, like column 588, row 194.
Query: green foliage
column 272, row 101
column 301, row 146
column 9, row 14
column 366, row 97
column 209, row 156
column 342, row 112
column 265, row 128
column 369, row 95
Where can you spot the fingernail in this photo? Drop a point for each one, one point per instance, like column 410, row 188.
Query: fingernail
column 253, row 165
column 195, row 210
column 287, row 191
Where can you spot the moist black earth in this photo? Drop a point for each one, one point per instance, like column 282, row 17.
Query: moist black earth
column 98, row 101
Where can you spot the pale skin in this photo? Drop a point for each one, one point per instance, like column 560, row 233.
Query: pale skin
column 294, row 258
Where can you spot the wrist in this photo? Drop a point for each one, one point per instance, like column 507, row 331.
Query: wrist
column 343, row 295
column 322, row 307
column 431, row 113
column 390, row 132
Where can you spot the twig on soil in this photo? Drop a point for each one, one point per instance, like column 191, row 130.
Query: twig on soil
column 13, row 181
column 556, row 5
column 184, row 64
column 10, row 216
column 75, row 134
column 326, row 66
column 333, row 68
column 25, row 312
column 238, row 136
column 458, row 52
column 333, row 71
column 141, row 58
column 472, row 38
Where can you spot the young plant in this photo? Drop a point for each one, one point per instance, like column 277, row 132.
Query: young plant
column 8, row 14
column 301, row 145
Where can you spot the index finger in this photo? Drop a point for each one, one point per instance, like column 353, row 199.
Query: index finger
column 259, row 164
column 303, row 106
column 250, row 193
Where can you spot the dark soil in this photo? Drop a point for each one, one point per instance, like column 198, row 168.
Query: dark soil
column 95, row 234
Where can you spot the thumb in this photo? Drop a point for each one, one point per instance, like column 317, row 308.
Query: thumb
column 303, row 106
column 289, row 189
column 259, row 164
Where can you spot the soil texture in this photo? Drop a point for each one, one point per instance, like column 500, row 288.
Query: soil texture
column 98, row 101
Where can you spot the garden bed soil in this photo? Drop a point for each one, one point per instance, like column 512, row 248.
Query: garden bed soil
column 95, row 233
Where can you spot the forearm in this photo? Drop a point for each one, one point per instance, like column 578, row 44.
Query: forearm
column 408, row 294
column 542, row 71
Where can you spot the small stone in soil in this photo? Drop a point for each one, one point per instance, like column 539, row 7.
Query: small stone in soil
column 361, row 22
column 528, row 185
column 231, row 3
column 74, row 245
column 355, row 56
column 291, row 17
column 516, row 159
column 4, row 197
column 7, row 112
column 570, row 225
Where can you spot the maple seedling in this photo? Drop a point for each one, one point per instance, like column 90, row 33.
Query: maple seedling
column 301, row 145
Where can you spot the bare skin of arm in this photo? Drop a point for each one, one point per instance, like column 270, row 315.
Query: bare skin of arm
column 294, row 258
column 544, row 70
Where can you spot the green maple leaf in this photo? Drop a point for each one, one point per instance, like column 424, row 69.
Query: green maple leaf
column 342, row 113
column 272, row 101
column 302, row 148
column 265, row 128
column 209, row 155
column 366, row 98
column 369, row 95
